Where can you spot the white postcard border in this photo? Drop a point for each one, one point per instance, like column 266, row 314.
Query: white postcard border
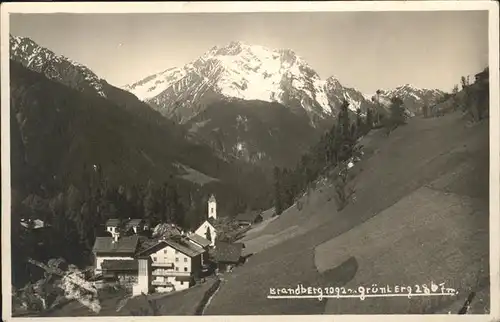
column 236, row 6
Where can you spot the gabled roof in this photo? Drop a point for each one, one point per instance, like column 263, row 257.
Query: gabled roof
column 199, row 240
column 211, row 221
column 228, row 252
column 133, row 222
column 184, row 246
column 113, row 222
column 180, row 244
column 250, row 216
column 124, row 245
column 151, row 247
column 145, row 242
column 120, row 265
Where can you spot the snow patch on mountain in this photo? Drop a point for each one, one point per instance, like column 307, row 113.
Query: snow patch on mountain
column 321, row 97
column 353, row 104
column 367, row 97
column 155, row 84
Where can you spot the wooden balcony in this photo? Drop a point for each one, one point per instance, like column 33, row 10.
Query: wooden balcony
column 160, row 283
column 159, row 272
column 163, row 264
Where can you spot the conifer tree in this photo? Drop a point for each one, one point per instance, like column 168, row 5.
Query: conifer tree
column 278, row 202
column 369, row 120
column 359, row 123
column 208, row 235
column 425, row 111
column 397, row 116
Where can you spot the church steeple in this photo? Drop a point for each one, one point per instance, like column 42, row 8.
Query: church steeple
column 212, row 207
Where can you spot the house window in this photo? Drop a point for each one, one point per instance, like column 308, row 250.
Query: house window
column 177, row 269
column 177, row 259
column 185, row 260
column 185, row 269
column 176, row 251
column 164, row 251
column 182, row 283
column 154, row 259
column 212, row 210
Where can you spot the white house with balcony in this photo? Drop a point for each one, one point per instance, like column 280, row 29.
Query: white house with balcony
column 175, row 264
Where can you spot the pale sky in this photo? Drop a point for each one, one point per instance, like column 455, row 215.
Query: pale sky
column 365, row 50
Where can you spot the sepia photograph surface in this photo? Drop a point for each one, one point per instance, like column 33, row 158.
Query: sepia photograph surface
column 244, row 162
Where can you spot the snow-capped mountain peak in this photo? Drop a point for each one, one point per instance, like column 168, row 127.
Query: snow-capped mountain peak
column 56, row 67
column 240, row 70
column 413, row 97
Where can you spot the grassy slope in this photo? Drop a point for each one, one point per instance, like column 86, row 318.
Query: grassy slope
column 413, row 156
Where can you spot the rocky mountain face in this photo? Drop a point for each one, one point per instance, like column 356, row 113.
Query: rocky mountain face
column 413, row 98
column 245, row 72
column 269, row 91
column 257, row 132
column 247, row 84
column 55, row 67
column 247, row 78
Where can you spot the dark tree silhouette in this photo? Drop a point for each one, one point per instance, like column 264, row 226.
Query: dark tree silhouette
column 425, row 111
column 369, row 120
column 208, row 235
column 278, row 202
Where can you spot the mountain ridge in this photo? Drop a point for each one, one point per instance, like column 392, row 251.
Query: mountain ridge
column 58, row 67
column 243, row 71
column 240, row 70
column 237, row 75
column 414, row 98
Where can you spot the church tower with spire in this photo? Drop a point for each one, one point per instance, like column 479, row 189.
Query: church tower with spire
column 212, row 207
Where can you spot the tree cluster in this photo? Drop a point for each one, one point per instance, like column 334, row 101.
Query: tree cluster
column 475, row 99
column 75, row 217
column 471, row 97
column 335, row 147
column 397, row 115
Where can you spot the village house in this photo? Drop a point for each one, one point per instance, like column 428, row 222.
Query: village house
column 135, row 226
column 112, row 226
column 207, row 228
column 122, row 271
column 249, row 218
column 482, row 76
column 175, row 263
column 113, row 249
column 202, row 243
column 144, row 276
column 228, row 255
